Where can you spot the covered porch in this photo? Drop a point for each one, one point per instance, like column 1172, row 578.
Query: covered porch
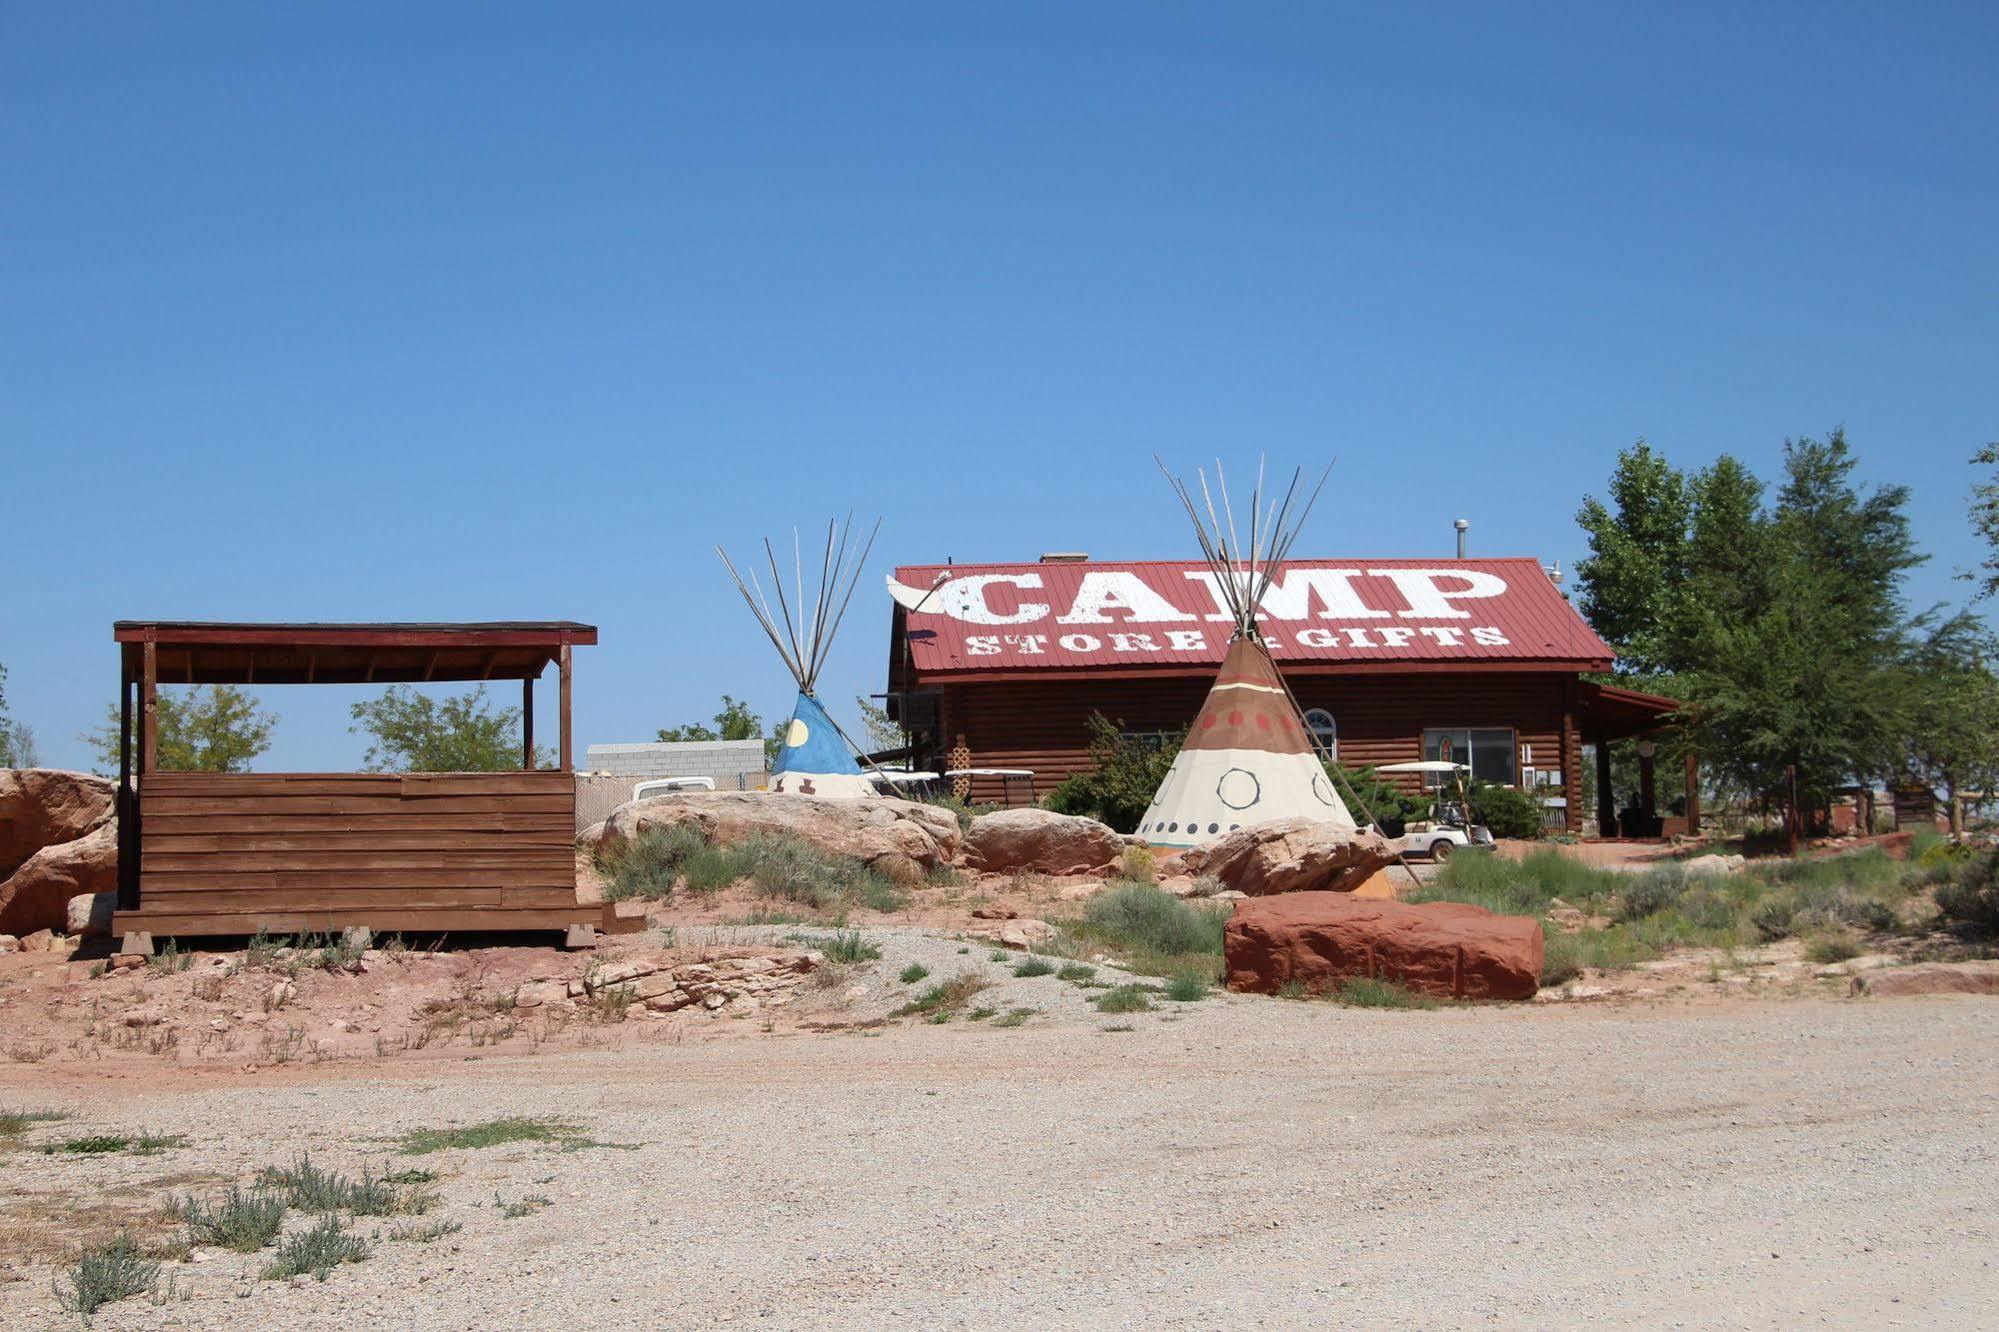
column 1609, row 713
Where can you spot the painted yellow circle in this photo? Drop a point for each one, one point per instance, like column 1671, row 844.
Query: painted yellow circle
column 796, row 734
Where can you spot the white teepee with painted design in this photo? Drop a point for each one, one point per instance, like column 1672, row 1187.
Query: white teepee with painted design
column 1248, row 757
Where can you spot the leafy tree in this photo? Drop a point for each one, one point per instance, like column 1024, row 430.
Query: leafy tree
column 1127, row 773
column 416, row 732
column 1985, row 519
column 1946, row 731
column 734, row 722
column 1629, row 584
column 882, row 733
column 209, row 728
column 17, row 742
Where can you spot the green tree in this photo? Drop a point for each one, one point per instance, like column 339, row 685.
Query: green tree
column 1946, row 732
column 17, row 742
column 416, row 732
column 734, row 722
column 1985, row 519
column 209, row 728
column 1630, row 583
column 883, row 734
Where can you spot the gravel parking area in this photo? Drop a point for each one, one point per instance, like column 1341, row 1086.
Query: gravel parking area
column 1238, row 1162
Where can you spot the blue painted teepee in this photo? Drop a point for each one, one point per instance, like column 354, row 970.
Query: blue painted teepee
column 814, row 757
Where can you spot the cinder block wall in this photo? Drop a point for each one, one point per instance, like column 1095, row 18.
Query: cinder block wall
column 609, row 772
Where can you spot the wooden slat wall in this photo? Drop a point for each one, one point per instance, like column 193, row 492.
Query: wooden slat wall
column 1045, row 726
column 228, row 853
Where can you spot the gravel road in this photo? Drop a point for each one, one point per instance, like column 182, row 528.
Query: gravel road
column 1233, row 1163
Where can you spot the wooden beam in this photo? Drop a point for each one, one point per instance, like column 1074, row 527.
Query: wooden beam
column 149, row 705
column 1694, row 793
column 128, row 808
column 567, row 759
column 1606, row 799
column 527, row 725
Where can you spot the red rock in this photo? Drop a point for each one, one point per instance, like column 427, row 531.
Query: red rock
column 1291, row 856
column 1979, row 977
column 37, row 896
column 901, row 839
column 44, row 806
column 1040, row 841
column 1323, row 939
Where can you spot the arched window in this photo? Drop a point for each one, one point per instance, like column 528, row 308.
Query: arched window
column 1321, row 724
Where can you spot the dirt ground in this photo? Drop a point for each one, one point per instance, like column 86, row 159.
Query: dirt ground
column 1237, row 1161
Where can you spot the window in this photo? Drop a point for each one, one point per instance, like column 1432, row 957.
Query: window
column 1321, row 724
column 1489, row 752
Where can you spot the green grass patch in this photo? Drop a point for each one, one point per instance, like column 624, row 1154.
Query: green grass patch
column 945, row 998
column 846, row 946
column 527, row 1206
column 1034, row 966
column 106, row 1144
column 310, row 1189
column 1016, row 1017
column 492, row 1133
column 913, row 973
column 1076, row 971
column 1150, row 931
column 1125, row 999
column 315, row 1252
column 104, row 1275
column 424, row 1232
column 650, row 865
column 1186, row 988
column 13, row 1123
column 1833, row 946
column 1366, row 992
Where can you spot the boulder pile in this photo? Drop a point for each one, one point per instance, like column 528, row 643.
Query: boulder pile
column 723, row 983
column 58, row 839
column 1291, row 856
column 1040, row 841
column 901, row 839
column 1321, row 940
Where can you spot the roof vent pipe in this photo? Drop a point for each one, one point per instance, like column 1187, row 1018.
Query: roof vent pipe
column 1066, row 557
column 1463, row 526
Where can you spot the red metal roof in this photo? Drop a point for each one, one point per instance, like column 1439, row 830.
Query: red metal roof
column 1333, row 615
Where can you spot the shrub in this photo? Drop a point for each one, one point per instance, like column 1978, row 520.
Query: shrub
column 241, row 1221
column 1521, row 887
column 1969, row 901
column 1141, row 918
column 1125, row 999
column 105, row 1275
column 650, row 864
column 1650, row 893
column 492, row 1133
column 1034, row 966
column 797, row 871
column 944, row 998
column 316, row 1252
column 1392, row 808
column 1076, row 971
column 1186, row 988
column 1366, row 992
column 1127, row 772
column 846, row 946
column 1832, row 946
column 1508, row 812
column 1564, row 956
column 1139, row 865
column 913, row 973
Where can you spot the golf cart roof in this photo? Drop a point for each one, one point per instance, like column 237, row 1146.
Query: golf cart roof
column 1427, row 765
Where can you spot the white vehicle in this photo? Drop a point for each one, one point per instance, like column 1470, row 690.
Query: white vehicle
column 1451, row 831
column 671, row 786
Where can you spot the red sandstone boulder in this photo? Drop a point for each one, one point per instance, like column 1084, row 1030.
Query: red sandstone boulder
column 36, row 896
column 1291, row 856
column 44, row 806
column 1040, row 841
column 1323, row 939
column 1978, row 977
column 900, row 838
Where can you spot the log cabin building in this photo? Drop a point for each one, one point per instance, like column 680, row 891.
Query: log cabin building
column 1480, row 661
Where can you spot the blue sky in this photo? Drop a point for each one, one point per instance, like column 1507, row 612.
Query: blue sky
column 490, row 311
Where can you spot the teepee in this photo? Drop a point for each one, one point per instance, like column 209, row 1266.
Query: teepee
column 1248, row 757
column 814, row 757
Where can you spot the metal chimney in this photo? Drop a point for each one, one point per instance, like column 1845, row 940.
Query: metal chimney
column 1463, row 526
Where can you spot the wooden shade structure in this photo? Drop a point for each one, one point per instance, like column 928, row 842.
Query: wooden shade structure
column 233, row 853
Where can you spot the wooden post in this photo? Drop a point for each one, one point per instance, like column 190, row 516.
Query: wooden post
column 1606, row 799
column 1693, row 793
column 149, row 714
column 527, row 723
column 563, row 708
column 1647, row 787
column 128, row 808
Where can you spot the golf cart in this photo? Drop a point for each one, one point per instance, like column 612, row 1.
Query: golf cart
column 1449, row 830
